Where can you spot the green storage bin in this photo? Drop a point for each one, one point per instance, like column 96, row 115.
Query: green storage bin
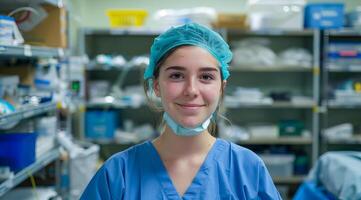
column 290, row 128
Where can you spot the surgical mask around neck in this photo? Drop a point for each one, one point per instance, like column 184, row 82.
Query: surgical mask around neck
column 184, row 131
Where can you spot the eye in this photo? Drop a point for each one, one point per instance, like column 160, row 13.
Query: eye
column 176, row 76
column 207, row 77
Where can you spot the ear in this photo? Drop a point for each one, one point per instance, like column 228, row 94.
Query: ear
column 156, row 87
column 224, row 83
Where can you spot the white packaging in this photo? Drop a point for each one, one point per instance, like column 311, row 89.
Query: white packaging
column 279, row 165
column 8, row 85
column 6, row 30
column 166, row 18
column 9, row 32
column 80, row 175
column 277, row 14
column 263, row 131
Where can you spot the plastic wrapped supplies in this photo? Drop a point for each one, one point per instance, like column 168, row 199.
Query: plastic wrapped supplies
column 295, row 57
column 253, row 52
column 166, row 18
column 277, row 14
column 9, row 32
column 256, row 53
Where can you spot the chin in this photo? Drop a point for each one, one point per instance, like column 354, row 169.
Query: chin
column 190, row 123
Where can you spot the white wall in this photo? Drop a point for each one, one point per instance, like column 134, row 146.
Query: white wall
column 91, row 13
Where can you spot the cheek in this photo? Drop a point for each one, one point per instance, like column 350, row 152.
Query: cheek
column 170, row 91
column 212, row 95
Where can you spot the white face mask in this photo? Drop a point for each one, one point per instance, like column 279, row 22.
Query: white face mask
column 184, row 131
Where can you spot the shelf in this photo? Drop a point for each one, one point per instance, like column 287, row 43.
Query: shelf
column 270, row 69
column 122, row 31
column 278, row 141
column 344, row 69
column 345, row 32
column 113, row 69
column 30, row 51
column 273, row 105
column 40, row 163
column 27, row 112
column 297, row 179
column 117, row 105
column 355, row 140
column 342, row 105
column 273, row 32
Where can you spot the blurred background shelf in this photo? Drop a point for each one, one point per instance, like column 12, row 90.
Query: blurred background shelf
column 27, row 112
column 277, row 141
column 122, row 31
column 270, row 106
column 117, row 105
column 41, row 162
column 272, row 32
column 30, row 51
column 355, row 140
column 277, row 69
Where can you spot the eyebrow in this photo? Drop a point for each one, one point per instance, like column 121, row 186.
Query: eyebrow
column 183, row 68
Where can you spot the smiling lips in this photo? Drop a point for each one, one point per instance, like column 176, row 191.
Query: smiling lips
column 190, row 106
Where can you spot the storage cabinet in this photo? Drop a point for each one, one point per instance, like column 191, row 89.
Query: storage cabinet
column 25, row 153
column 341, row 83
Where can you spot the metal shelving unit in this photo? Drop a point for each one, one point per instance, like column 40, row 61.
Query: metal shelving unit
column 27, row 112
column 30, row 51
column 309, row 39
column 40, row 163
column 338, row 112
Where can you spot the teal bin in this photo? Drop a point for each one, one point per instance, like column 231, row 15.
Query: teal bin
column 290, row 128
column 100, row 124
column 17, row 150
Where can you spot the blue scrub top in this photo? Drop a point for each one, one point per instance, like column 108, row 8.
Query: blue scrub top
column 228, row 172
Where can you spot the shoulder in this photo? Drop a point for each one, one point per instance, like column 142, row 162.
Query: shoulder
column 124, row 158
column 237, row 153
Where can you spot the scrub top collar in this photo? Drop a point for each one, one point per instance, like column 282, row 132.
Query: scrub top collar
column 198, row 181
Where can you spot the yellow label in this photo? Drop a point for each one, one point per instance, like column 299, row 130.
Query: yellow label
column 358, row 87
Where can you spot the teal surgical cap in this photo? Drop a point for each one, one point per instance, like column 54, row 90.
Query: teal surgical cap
column 190, row 34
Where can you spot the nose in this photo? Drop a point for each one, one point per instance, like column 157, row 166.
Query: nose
column 191, row 88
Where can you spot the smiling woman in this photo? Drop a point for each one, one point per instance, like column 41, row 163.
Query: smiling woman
column 188, row 71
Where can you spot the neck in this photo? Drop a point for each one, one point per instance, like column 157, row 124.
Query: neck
column 170, row 145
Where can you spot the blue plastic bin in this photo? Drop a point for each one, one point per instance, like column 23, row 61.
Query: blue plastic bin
column 324, row 15
column 17, row 150
column 309, row 190
column 100, row 124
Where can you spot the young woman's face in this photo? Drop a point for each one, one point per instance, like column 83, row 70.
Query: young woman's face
column 189, row 85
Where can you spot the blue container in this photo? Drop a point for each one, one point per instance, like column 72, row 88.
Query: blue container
column 17, row 150
column 324, row 15
column 100, row 124
column 309, row 190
